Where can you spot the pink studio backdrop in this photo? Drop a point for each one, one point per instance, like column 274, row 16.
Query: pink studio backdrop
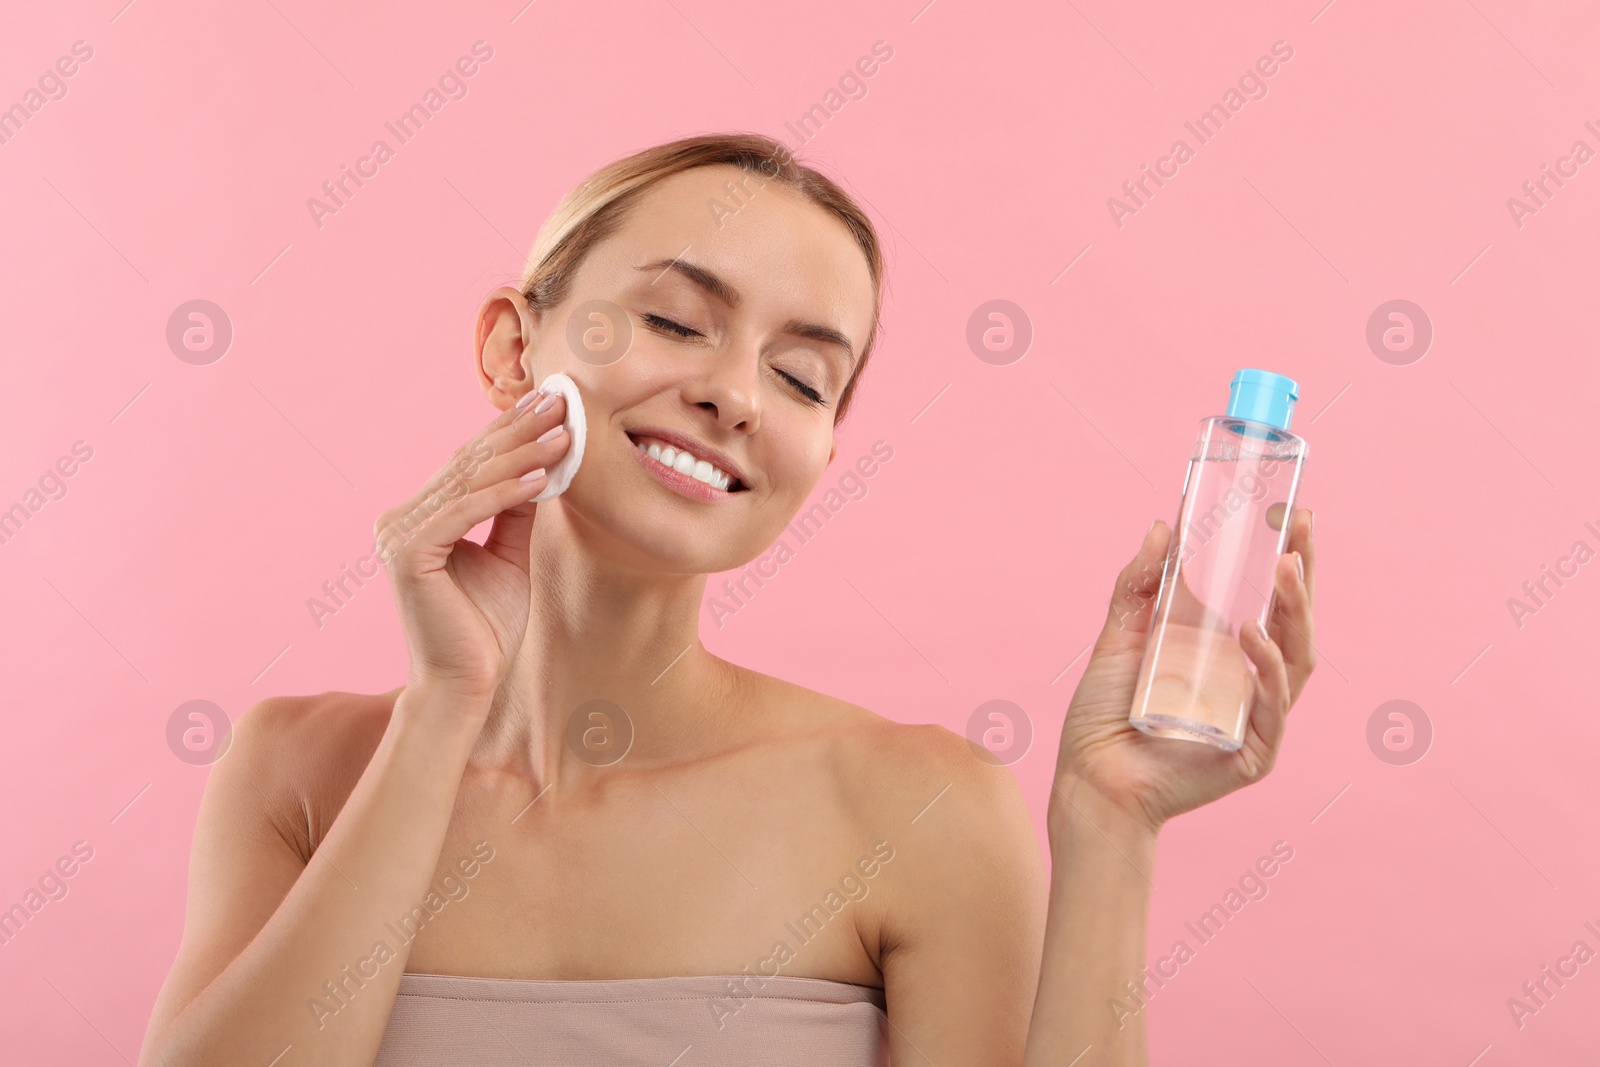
column 1378, row 163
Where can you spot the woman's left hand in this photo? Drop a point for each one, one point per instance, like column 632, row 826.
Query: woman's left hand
column 1155, row 778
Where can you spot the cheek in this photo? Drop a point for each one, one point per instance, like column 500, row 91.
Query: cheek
column 798, row 457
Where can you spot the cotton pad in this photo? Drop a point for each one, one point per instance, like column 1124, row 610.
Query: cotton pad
column 559, row 473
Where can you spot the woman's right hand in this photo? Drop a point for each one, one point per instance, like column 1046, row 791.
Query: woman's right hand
column 464, row 606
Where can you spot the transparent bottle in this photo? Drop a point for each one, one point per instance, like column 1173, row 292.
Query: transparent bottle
column 1195, row 682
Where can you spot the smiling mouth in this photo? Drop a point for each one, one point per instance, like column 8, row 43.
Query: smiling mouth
column 687, row 463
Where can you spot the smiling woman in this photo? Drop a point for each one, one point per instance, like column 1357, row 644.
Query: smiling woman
column 661, row 817
column 708, row 167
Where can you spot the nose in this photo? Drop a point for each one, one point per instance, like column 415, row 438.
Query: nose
column 729, row 386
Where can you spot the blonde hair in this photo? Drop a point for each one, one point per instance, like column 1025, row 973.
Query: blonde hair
column 598, row 206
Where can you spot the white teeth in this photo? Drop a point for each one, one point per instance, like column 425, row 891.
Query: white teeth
column 700, row 470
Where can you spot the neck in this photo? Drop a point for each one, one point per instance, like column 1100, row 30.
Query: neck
column 610, row 668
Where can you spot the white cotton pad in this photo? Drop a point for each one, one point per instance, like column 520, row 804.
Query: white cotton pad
column 561, row 471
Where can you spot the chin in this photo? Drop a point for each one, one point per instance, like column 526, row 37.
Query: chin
column 659, row 536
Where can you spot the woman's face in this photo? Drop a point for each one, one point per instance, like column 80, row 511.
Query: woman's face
column 744, row 308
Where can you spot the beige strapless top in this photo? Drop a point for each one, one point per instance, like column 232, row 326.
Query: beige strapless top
column 700, row 1021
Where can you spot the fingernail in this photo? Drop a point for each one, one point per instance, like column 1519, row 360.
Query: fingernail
column 533, row 475
column 528, row 398
column 548, row 434
column 1300, row 568
column 1311, row 526
column 544, row 404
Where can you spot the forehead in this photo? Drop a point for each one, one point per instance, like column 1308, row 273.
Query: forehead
column 776, row 246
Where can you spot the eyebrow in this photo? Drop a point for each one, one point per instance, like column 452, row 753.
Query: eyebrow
column 726, row 293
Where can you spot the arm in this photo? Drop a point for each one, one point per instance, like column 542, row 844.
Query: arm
column 961, row 960
column 1094, row 947
column 1114, row 789
column 270, row 933
column 963, row 916
column 264, row 930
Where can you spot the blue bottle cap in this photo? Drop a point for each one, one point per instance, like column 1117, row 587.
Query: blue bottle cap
column 1261, row 396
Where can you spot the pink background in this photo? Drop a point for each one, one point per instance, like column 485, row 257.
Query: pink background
column 1378, row 167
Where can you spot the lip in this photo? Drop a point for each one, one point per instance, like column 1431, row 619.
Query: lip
column 679, row 482
column 694, row 447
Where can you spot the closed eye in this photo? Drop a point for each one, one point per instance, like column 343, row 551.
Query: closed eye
column 809, row 393
column 672, row 327
column 680, row 330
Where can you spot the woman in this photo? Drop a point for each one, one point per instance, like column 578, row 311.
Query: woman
column 574, row 835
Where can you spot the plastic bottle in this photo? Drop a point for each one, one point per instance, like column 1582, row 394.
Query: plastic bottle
column 1195, row 682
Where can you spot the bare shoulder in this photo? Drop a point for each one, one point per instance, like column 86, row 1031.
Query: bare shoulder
column 256, row 828
column 954, row 823
column 903, row 772
column 340, row 715
column 305, row 754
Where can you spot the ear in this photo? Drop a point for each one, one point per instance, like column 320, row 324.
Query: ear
column 503, row 344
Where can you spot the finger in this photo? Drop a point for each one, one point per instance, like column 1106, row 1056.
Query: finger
column 490, row 456
column 459, row 474
column 512, row 530
column 439, row 522
column 527, row 424
column 1271, row 708
column 532, row 441
column 1137, row 584
column 1292, row 628
column 1299, row 540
